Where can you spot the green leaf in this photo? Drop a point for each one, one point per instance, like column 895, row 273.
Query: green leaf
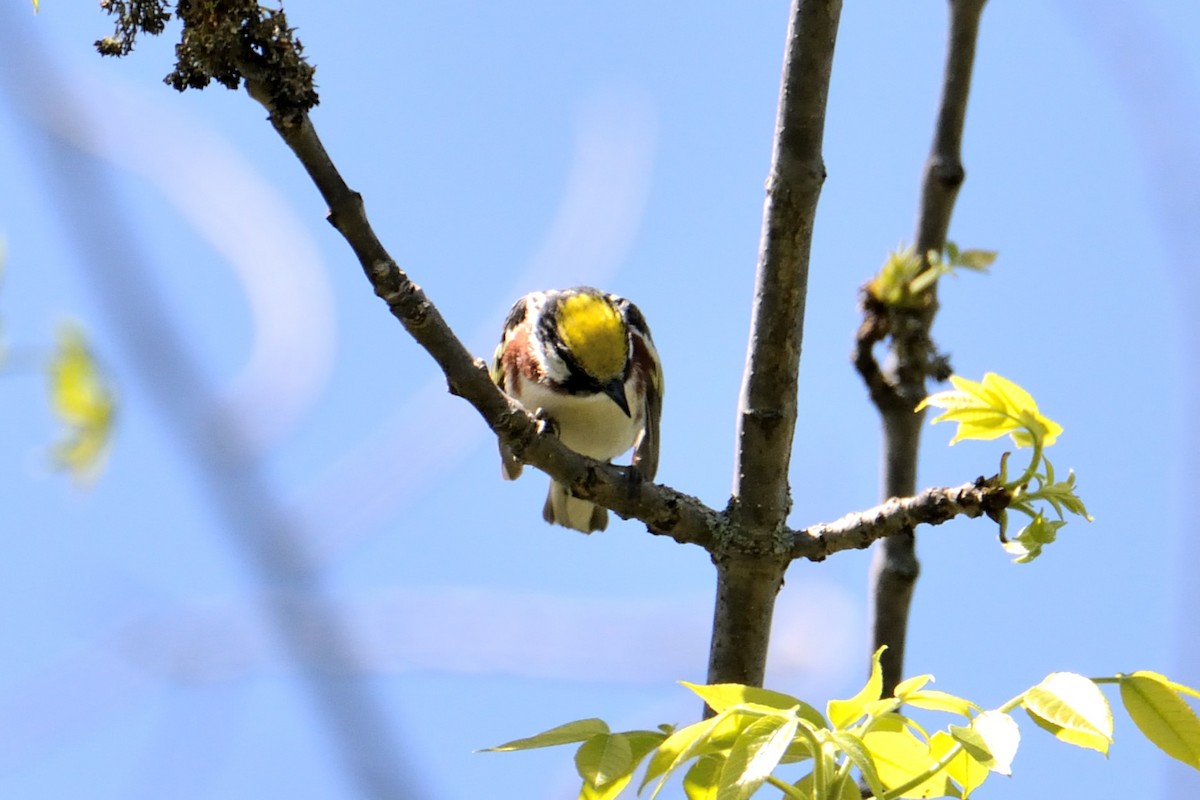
column 892, row 284
column 82, row 401
column 842, row 713
column 1062, row 496
column 928, row 277
column 844, row 788
column 800, row 748
column 1163, row 679
column 933, row 700
column 754, row 756
column 608, row 792
column 991, row 739
column 578, row 731
column 805, row 786
column 968, row 773
column 642, row 742
column 910, row 685
column 700, row 782
column 841, row 789
column 974, row 259
column 991, row 409
column 900, row 758
column 640, row 745
column 1073, row 709
column 677, row 748
column 1162, row 715
column 894, row 721
column 734, row 720
column 1029, row 541
column 856, row 750
column 721, row 696
column 603, row 759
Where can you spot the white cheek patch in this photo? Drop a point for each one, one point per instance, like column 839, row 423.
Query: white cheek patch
column 552, row 365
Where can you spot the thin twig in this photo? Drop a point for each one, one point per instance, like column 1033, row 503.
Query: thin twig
column 750, row 543
column 913, row 357
column 663, row 510
column 899, row 516
column 944, row 173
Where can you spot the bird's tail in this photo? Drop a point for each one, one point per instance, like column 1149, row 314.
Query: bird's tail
column 564, row 509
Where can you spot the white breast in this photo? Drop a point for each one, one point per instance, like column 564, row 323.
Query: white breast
column 593, row 425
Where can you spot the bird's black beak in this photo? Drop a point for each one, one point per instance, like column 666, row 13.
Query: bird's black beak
column 616, row 390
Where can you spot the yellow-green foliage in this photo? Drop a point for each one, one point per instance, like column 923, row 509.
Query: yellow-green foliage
column 83, row 402
column 869, row 738
column 993, row 408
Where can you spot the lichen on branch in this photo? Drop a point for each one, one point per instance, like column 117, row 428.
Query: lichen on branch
column 227, row 41
column 132, row 17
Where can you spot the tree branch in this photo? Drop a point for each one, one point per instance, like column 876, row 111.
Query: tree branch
column 663, row 510
column 750, row 543
column 747, row 585
column 913, row 357
column 767, row 413
column 898, row 516
column 944, row 173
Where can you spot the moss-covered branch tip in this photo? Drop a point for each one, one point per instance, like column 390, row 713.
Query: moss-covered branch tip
column 227, row 41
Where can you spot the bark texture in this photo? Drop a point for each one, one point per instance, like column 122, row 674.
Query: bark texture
column 747, row 586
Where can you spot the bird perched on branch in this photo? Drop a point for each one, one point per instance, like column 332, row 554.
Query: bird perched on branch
column 583, row 360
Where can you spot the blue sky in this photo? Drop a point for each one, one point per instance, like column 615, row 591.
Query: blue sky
column 502, row 150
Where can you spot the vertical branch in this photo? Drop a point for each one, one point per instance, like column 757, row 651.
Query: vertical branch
column 944, row 173
column 913, row 358
column 747, row 585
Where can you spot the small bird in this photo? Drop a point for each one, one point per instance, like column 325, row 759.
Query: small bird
column 584, row 360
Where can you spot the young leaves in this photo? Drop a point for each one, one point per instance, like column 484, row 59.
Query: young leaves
column 997, row 407
column 843, row 712
column 721, row 696
column 83, row 402
column 902, row 759
column 754, row 756
column 1161, row 714
column 578, row 731
column 992, row 408
column 990, row 740
column 1072, row 708
column 605, row 761
column 867, row 739
column 905, row 276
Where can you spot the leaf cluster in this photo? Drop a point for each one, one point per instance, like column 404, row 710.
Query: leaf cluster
column 227, row 41
column 899, row 304
column 905, row 277
column 995, row 407
column 865, row 740
column 131, row 17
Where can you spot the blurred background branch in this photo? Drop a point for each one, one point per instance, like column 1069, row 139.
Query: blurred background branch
column 272, row 544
